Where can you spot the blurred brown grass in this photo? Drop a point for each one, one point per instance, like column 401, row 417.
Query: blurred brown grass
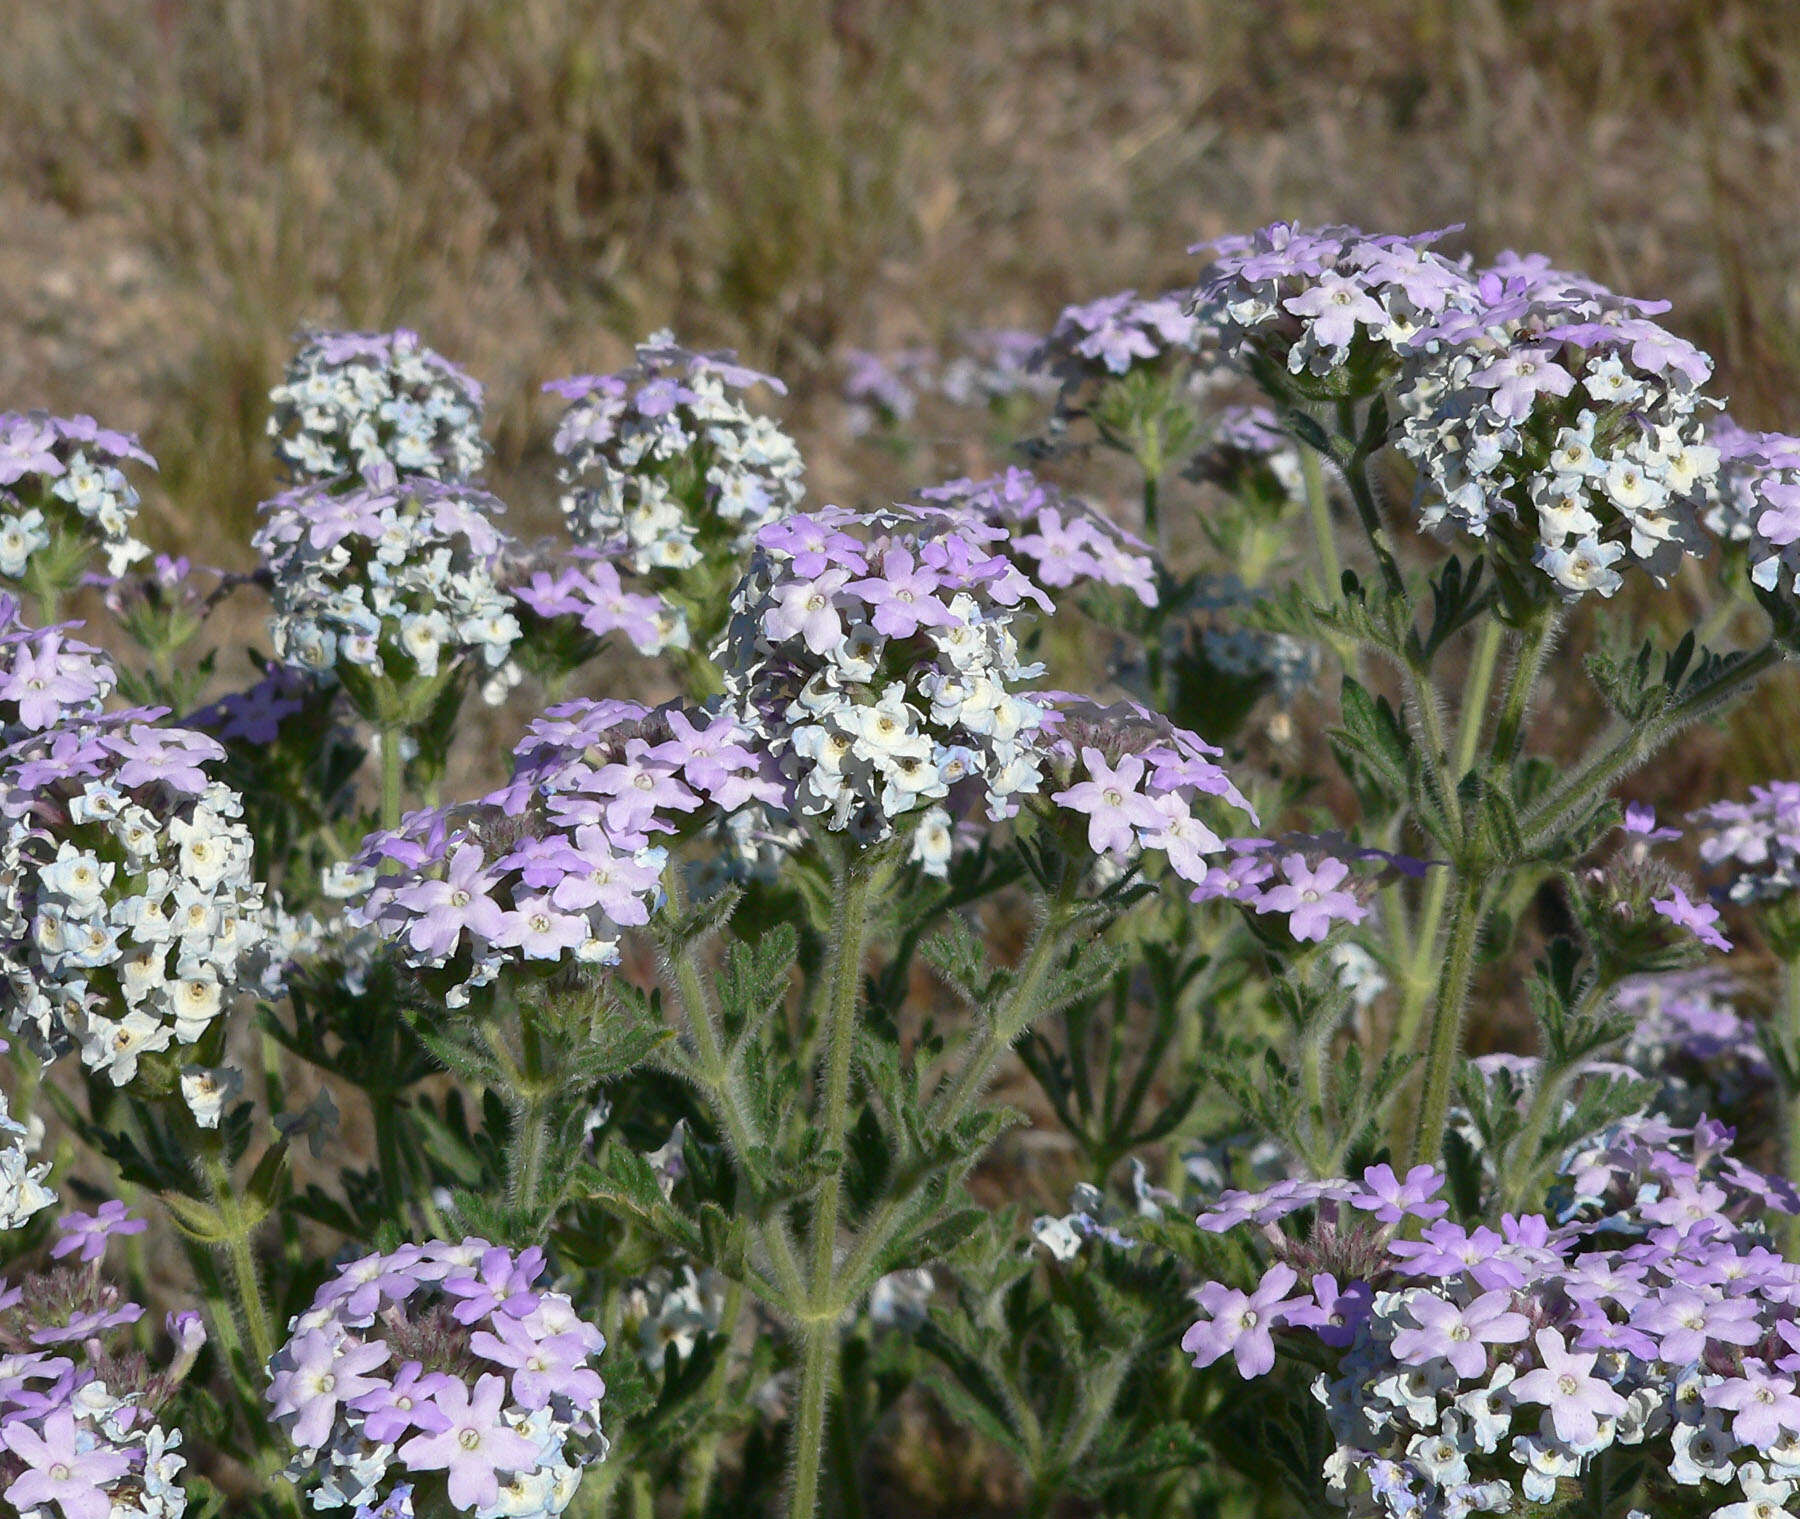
column 535, row 183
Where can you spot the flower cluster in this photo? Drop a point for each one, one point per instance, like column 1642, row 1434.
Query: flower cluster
column 1251, row 454
column 22, row 1189
column 672, row 1309
column 1481, row 1370
column 1568, row 427
column 1133, row 781
column 1687, row 1032
column 1059, row 540
column 129, row 910
column 46, row 677
column 558, row 864
column 993, row 365
column 1304, row 878
column 1118, row 333
column 1758, row 472
column 882, row 671
column 79, row 1405
column 355, row 401
column 1757, row 840
column 588, row 595
column 63, row 492
column 441, row 1364
column 390, row 579
column 663, row 465
column 1333, row 304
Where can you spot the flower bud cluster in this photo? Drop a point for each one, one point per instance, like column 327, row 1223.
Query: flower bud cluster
column 355, row 401
column 1057, row 539
column 62, row 483
column 881, row 671
column 1567, row 425
column 441, row 1364
column 129, row 910
column 392, row 578
column 1333, row 304
column 557, row 865
column 664, row 466
column 79, row 1404
column 1478, row 1371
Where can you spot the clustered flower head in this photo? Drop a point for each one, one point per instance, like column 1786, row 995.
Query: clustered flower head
column 664, row 466
column 1307, row 879
column 1133, row 781
column 1059, row 540
column 1757, row 841
column 873, row 655
column 79, row 1404
column 1333, row 307
column 1251, row 453
column 443, row 1367
column 1687, row 1033
column 63, row 491
column 589, row 595
column 1751, row 464
column 129, row 909
column 993, row 364
column 46, row 677
column 1479, row 1370
column 391, row 578
column 23, row 1192
column 1562, row 422
column 355, row 401
column 554, row 867
column 1117, row 333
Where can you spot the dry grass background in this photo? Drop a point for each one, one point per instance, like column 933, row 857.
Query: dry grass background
column 534, row 183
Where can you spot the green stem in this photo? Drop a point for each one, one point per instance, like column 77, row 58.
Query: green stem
column 1368, row 510
column 1152, row 512
column 1521, row 685
column 1318, row 509
column 1476, row 685
column 525, row 1154
column 849, row 931
column 1637, row 744
column 393, row 777
column 385, row 1112
column 1447, row 1019
column 1790, row 1096
column 240, row 1254
column 703, row 1461
column 809, row 1418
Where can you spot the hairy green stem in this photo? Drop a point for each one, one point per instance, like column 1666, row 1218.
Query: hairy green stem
column 1477, row 683
column 809, row 1418
column 1318, row 510
column 1637, row 744
column 1521, row 685
column 703, row 1460
column 1368, row 509
column 393, row 777
column 850, row 924
column 1447, row 1020
column 1790, row 1096
column 240, row 1255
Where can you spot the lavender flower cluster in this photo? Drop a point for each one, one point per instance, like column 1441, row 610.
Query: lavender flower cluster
column 63, row 491
column 1056, row 538
column 1475, row 1370
column 992, row 365
column 1564, row 422
column 1317, row 301
column 662, row 464
column 1113, row 335
column 589, row 595
column 558, row 864
column 391, row 578
column 351, row 402
column 1757, row 841
column 80, row 1436
column 443, row 1367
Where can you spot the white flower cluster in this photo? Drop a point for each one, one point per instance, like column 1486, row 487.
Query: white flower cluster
column 662, row 464
column 672, row 1309
column 62, row 485
column 882, row 672
column 354, row 401
column 129, row 911
column 394, row 579
column 22, row 1189
column 1568, row 429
